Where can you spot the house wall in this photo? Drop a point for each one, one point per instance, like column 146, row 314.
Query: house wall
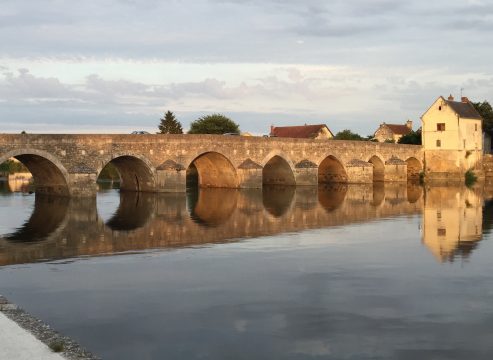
column 383, row 133
column 324, row 133
column 460, row 147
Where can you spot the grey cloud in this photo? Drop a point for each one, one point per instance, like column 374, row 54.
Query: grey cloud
column 27, row 86
column 236, row 31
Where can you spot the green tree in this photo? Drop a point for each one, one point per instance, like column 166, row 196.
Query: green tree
column 414, row 138
column 214, row 124
column 486, row 112
column 169, row 124
column 348, row 135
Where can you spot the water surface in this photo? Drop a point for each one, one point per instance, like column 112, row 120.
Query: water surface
column 341, row 272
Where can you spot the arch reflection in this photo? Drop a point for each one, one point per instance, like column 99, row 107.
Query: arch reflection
column 277, row 199
column 134, row 211
column 332, row 196
column 211, row 206
column 47, row 217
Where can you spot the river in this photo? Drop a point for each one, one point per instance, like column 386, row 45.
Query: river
column 389, row 271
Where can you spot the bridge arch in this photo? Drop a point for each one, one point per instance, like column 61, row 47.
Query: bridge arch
column 277, row 170
column 378, row 168
column 136, row 172
column 49, row 174
column 414, row 168
column 213, row 207
column 212, row 170
column 331, row 170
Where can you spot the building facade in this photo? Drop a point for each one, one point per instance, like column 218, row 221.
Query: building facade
column 392, row 132
column 452, row 139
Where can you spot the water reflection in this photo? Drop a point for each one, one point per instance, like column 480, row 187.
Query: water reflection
column 212, row 206
column 452, row 221
column 69, row 228
column 134, row 211
column 60, row 228
column 48, row 216
column 277, row 199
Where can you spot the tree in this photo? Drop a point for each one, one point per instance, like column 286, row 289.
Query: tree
column 169, row 125
column 484, row 109
column 347, row 135
column 414, row 138
column 214, row 124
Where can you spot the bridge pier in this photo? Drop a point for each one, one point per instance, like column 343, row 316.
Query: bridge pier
column 359, row 172
column 249, row 175
column 172, row 179
column 395, row 170
column 80, row 185
column 306, row 173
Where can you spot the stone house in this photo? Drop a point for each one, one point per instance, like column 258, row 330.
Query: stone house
column 304, row 132
column 452, row 139
column 392, row 132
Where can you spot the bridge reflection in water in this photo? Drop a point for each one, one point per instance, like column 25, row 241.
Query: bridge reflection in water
column 62, row 228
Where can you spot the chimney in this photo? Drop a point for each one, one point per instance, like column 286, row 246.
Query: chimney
column 464, row 99
column 271, row 129
column 409, row 124
column 450, row 98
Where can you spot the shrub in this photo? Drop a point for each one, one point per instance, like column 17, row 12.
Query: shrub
column 470, row 178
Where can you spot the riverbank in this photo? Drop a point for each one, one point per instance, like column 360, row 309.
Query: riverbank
column 22, row 336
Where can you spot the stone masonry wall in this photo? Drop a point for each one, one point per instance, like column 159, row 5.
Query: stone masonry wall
column 159, row 162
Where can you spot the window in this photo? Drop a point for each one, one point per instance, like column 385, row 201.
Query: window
column 441, row 127
column 441, row 232
column 439, row 143
column 475, row 127
column 439, row 108
column 464, row 141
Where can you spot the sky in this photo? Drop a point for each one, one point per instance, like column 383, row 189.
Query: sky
column 114, row 66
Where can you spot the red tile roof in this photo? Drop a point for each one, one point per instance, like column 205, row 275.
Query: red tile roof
column 399, row 129
column 304, row 131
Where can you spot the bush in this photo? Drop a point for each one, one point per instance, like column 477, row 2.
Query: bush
column 470, row 178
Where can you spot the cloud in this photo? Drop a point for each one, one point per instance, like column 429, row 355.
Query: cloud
column 353, row 62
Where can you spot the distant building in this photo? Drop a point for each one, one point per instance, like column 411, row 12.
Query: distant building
column 452, row 138
column 392, row 132
column 303, row 132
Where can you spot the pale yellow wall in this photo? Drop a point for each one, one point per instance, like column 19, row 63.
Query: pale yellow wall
column 324, row 133
column 451, row 216
column 449, row 137
column 461, row 142
column 456, row 130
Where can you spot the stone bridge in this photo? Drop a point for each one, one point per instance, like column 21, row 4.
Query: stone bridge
column 70, row 164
